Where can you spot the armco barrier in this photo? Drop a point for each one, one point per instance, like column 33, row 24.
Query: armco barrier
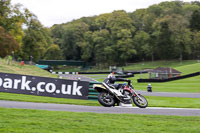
column 106, row 72
column 92, row 93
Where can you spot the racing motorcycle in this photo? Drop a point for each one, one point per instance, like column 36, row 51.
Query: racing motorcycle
column 122, row 93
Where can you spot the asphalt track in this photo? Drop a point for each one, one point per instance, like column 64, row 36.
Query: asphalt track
column 99, row 109
column 113, row 110
column 170, row 94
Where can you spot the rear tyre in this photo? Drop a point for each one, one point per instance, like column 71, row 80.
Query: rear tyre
column 140, row 101
column 106, row 99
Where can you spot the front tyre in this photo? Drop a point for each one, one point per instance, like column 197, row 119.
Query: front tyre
column 106, row 99
column 140, row 101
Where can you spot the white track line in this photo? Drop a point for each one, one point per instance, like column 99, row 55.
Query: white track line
column 160, row 108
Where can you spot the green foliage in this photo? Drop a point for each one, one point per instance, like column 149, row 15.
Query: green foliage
column 168, row 30
column 196, row 45
column 87, row 47
column 72, row 40
column 31, row 41
column 16, row 68
column 163, row 31
column 102, row 43
column 7, row 43
column 53, row 52
column 141, row 42
column 164, row 40
column 35, row 41
column 194, row 22
column 10, row 27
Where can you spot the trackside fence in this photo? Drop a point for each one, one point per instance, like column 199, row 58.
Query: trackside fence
column 92, row 93
column 169, row 79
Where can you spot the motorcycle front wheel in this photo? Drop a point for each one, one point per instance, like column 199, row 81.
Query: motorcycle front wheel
column 106, row 99
column 140, row 101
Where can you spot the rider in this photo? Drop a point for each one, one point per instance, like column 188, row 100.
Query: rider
column 111, row 79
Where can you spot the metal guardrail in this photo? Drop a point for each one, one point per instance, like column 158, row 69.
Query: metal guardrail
column 169, row 79
column 92, row 93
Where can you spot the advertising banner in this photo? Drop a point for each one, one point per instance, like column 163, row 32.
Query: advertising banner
column 41, row 86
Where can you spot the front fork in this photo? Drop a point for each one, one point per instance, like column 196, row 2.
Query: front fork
column 134, row 94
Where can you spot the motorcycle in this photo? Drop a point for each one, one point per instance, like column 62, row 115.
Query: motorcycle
column 125, row 94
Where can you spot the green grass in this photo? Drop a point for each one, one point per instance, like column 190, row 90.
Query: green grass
column 43, row 99
column 175, row 102
column 190, row 85
column 16, row 68
column 130, row 66
column 148, row 64
column 190, row 68
column 185, row 85
column 38, row 121
column 154, row 101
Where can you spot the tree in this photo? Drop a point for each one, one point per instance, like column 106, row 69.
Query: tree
column 196, row 45
column 137, row 18
column 36, row 40
column 57, row 34
column 125, row 45
column 173, row 7
column 101, row 21
column 165, row 45
column 121, row 29
column 142, row 45
column 117, row 21
column 7, row 43
column 5, row 11
column 72, row 40
column 102, row 42
column 162, row 31
column 11, row 20
column 181, row 35
column 53, row 52
column 195, row 20
column 188, row 10
column 87, row 47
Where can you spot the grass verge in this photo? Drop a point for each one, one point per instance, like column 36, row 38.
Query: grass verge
column 184, row 85
column 191, row 85
column 175, row 102
column 154, row 101
column 16, row 68
column 43, row 99
column 38, row 121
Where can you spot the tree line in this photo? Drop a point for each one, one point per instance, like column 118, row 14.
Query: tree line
column 23, row 36
column 169, row 30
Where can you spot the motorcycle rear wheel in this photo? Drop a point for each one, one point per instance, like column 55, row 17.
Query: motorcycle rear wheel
column 106, row 99
column 140, row 101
